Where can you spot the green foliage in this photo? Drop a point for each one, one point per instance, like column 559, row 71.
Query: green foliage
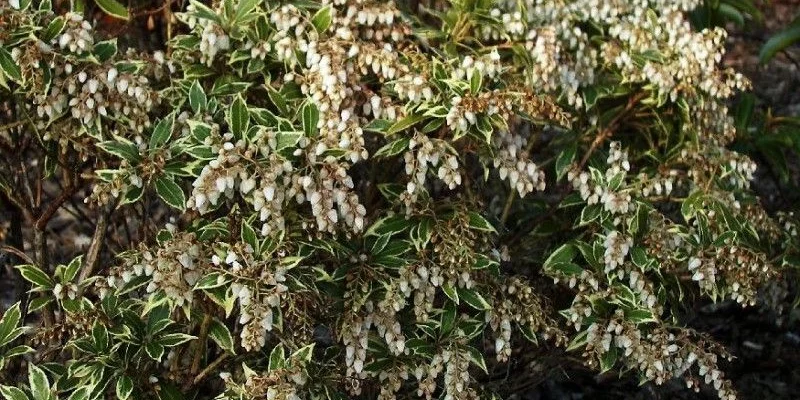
column 780, row 41
column 370, row 202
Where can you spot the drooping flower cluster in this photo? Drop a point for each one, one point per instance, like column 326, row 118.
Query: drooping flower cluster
column 292, row 125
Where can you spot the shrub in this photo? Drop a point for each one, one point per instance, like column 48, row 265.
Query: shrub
column 325, row 200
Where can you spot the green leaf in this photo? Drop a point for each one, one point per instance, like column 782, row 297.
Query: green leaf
column 474, row 299
column 81, row 393
column 310, row 119
column 476, row 221
column 76, row 6
column 564, row 161
column 154, row 350
column 780, row 41
column 39, row 303
column 175, row 339
column 239, row 117
column 105, row 50
column 113, row 8
column 197, row 97
column 579, row 341
column 36, row 276
column 12, row 393
column 448, row 317
column 393, row 224
column 245, row 8
column 405, row 123
column 9, row 323
column 565, row 268
column 18, row 350
column 9, row 66
column 53, row 29
column 590, row 213
column 476, row 357
column 39, row 384
column 277, row 358
column 475, row 82
column 100, row 337
column 639, row 257
column 221, row 335
column 168, row 391
column 690, row 205
column 277, row 99
column 162, row 132
column 304, row 353
column 378, row 126
column 203, row 11
column 393, row 148
column 170, row 192
column 288, row 139
column 640, row 316
column 450, row 292
column 210, row 281
column 249, row 236
column 563, row 254
column 199, row 130
column 123, row 149
column 322, row 19
column 228, row 88
column 22, row 5
column 608, row 359
column 72, row 268
column 124, row 387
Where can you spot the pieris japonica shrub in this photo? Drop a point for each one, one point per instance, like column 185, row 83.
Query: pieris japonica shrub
column 370, row 199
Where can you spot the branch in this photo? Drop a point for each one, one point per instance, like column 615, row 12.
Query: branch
column 210, row 368
column 201, row 344
column 608, row 131
column 17, row 252
column 41, row 223
column 98, row 238
column 604, row 134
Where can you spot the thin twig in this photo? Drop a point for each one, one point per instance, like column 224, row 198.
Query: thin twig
column 153, row 11
column 610, row 128
column 41, row 223
column 12, row 125
column 201, row 344
column 604, row 134
column 98, row 238
column 17, row 252
column 210, row 368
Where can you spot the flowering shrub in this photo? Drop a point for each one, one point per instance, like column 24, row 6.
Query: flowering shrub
column 327, row 200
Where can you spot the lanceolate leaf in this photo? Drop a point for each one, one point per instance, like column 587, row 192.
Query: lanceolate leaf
column 9, row 66
column 36, row 276
column 12, row 393
column 322, row 19
column 162, row 132
column 9, row 323
column 239, row 117
column 113, row 8
column 122, row 149
column 310, row 119
column 221, row 335
column 124, row 387
column 39, row 384
column 170, row 192
column 780, row 41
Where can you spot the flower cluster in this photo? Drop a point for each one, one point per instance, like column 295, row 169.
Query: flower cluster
column 275, row 141
column 173, row 268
